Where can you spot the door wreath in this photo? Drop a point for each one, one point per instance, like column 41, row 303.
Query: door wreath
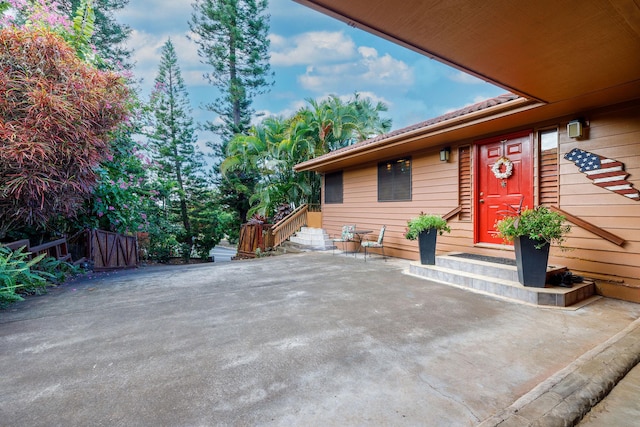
column 508, row 168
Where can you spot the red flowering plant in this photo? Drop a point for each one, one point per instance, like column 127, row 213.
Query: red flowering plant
column 57, row 115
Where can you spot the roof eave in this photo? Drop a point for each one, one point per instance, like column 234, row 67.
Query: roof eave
column 471, row 119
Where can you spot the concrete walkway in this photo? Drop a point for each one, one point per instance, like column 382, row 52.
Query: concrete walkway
column 307, row 339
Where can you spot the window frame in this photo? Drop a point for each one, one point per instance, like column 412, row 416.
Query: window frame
column 397, row 192
column 334, row 200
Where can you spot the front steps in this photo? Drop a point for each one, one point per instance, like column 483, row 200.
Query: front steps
column 502, row 280
column 312, row 238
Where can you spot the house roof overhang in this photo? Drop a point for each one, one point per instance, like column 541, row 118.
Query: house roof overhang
column 547, row 50
column 559, row 56
column 420, row 136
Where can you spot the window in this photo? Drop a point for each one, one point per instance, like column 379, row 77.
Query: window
column 333, row 187
column 394, row 180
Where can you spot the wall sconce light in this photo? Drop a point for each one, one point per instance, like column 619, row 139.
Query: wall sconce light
column 445, row 153
column 575, row 129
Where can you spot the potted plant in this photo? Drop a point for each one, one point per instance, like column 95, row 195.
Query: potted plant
column 425, row 228
column 532, row 232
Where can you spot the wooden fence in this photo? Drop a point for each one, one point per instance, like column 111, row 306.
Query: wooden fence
column 268, row 236
column 252, row 237
column 106, row 250
column 57, row 249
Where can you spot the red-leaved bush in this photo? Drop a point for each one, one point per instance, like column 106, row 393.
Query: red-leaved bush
column 56, row 116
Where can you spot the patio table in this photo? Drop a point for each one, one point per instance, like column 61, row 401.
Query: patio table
column 359, row 234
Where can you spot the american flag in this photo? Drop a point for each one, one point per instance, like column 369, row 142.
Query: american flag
column 604, row 172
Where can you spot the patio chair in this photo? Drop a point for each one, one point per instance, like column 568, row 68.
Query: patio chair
column 375, row 244
column 345, row 237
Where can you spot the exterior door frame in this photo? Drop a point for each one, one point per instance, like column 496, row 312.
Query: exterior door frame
column 477, row 170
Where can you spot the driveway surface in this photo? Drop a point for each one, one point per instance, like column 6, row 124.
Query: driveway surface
column 307, row 339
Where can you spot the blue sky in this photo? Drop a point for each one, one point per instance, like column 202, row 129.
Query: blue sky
column 312, row 56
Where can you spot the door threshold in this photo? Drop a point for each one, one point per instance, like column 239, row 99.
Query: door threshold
column 494, row 246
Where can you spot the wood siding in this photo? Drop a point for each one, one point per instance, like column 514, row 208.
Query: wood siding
column 614, row 134
column 548, row 182
column 438, row 187
column 432, row 182
column 465, row 182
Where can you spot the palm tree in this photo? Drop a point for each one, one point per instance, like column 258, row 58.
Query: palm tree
column 275, row 146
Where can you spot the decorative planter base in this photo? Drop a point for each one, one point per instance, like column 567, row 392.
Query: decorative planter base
column 532, row 262
column 427, row 245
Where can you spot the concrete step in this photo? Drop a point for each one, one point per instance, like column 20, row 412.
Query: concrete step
column 502, row 280
column 291, row 248
column 312, row 238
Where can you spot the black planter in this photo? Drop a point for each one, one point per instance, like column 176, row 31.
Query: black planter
column 427, row 245
column 532, row 262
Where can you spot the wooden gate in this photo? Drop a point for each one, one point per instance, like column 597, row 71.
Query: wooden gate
column 112, row 250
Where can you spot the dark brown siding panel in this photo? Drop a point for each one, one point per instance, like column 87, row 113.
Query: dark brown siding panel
column 464, row 179
column 548, row 184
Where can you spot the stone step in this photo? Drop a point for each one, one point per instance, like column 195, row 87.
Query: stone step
column 493, row 267
column 312, row 231
column 312, row 238
column 501, row 280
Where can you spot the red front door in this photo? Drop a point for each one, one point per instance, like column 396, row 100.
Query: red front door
column 495, row 194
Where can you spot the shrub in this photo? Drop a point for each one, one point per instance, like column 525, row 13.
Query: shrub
column 56, row 117
column 540, row 224
column 424, row 222
column 17, row 275
column 20, row 275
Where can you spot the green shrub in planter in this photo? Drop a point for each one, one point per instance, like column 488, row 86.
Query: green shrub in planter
column 425, row 222
column 539, row 224
column 425, row 228
column 533, row 231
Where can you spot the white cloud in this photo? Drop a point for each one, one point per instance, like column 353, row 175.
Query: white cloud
column 156, row 16
column 464, row 78
column 368, row 70
column 147, row 51
column 368, row 52
column 385, row 69
column 317, row 47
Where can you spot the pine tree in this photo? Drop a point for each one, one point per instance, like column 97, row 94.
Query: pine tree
column 109, row 36
column 232, row 39
column 173, row 139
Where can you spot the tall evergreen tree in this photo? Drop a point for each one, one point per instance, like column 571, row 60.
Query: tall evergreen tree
column 108, row 36
column 173, row 141
column 232, row 39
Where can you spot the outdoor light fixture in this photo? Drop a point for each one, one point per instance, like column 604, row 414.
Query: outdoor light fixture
column 445, row 153
column 574, row 129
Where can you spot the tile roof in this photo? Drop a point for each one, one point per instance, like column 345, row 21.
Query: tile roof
column 479, row 106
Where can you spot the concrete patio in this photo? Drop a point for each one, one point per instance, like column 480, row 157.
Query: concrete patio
column 305, row 339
